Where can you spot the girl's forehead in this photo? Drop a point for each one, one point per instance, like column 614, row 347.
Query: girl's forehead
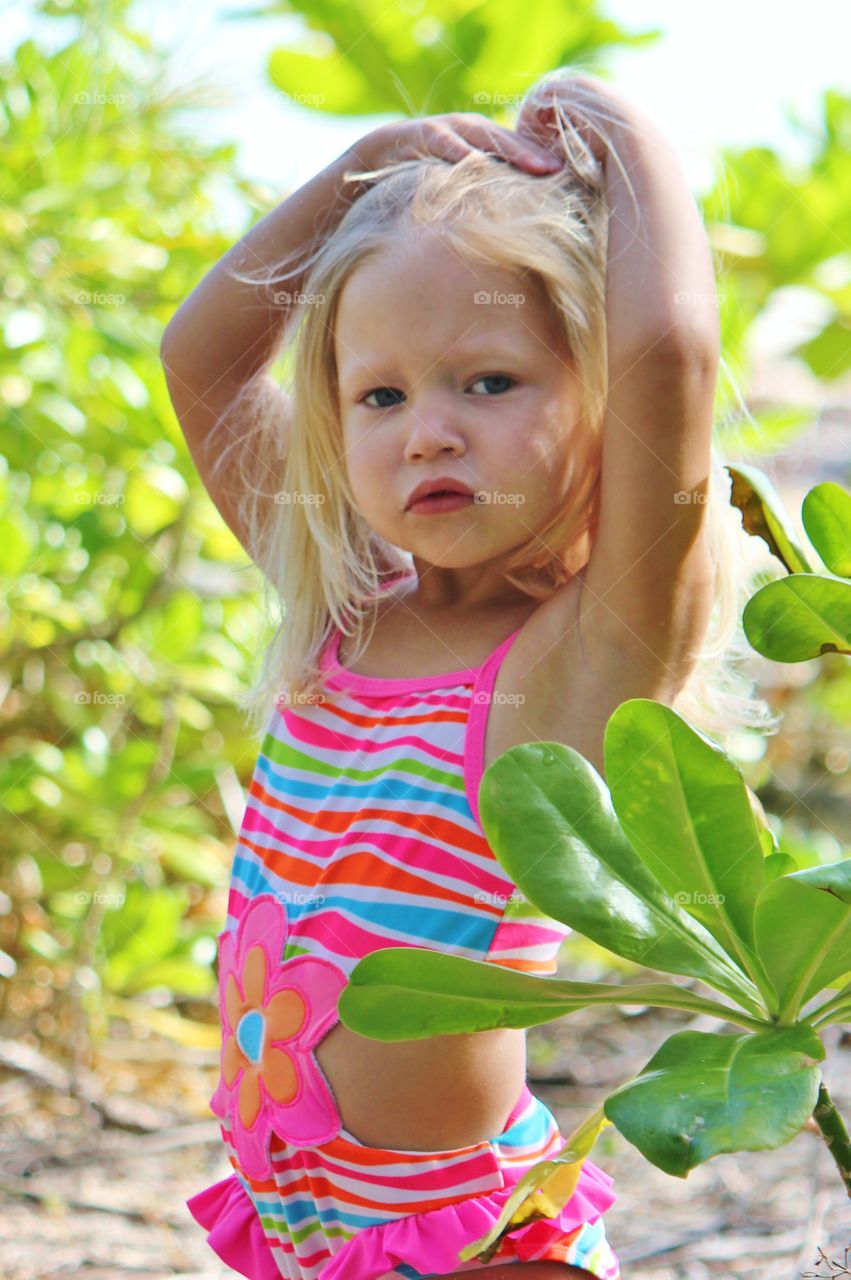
column 433, row 300
column 425, row 257
column 435, row 288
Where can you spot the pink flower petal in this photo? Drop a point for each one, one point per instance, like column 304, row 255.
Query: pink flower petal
column 264, row 925
column 312, row 1117
column 252, row 1145
column 319, row 983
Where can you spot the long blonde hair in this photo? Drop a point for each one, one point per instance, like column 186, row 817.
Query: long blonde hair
column 323, row 564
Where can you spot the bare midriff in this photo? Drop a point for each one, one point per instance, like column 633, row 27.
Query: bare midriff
column 424, row 1095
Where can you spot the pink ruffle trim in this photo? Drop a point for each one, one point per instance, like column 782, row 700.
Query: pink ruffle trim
column 430, row 1242
column 234, row 1230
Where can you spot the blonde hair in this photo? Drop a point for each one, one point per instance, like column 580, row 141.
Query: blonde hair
column 323, row 564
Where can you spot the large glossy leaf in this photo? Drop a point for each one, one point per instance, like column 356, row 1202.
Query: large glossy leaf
column 799, row 617
column 684, row 805
column 408, row 993
column 802, row 928
column 703, row 1094
column 826, row 514
column 764, row 516
column 548, row 817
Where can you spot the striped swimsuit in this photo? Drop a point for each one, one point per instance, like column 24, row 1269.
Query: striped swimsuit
column 362, row 831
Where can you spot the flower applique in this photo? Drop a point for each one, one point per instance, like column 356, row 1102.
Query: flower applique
column 272, row 1014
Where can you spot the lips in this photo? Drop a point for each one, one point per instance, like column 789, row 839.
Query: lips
column 442, row 484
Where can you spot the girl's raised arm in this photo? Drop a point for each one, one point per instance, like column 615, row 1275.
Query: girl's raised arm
column 217, row 347
column 648, row 587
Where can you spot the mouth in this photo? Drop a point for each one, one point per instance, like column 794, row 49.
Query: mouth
column 441, row 501
column 441, row 488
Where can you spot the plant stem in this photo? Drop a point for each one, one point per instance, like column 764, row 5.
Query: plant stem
column 834, row 1133
column 837, row 1000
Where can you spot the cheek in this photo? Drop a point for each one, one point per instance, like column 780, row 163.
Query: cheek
column 538, row 458
column 359, row 462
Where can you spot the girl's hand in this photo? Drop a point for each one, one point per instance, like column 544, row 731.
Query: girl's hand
column 591, row 108
column 452, row 137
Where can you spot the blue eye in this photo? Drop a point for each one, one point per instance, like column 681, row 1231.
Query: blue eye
column 487, row 377
column 495, row 377
column 377, row 392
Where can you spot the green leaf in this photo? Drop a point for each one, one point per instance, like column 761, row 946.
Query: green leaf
column 548, row 817
column 802, row 929
column 17, row 540
column 153, row 499
column 321, row 82
column 409, row 993
column 704, row 1094
column 142, row 932
column 826, row 515
column 828, row 354
column 764, row 516
column 779, row 864
column 190, row 858
column 685, row 808
column 170, row 632
column 799, row 617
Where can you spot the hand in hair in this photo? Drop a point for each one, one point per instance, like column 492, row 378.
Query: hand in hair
column 565, row 106
column 451, row 137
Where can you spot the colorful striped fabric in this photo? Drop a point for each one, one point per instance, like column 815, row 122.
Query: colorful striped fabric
column 362, row 819
column 343, row 1210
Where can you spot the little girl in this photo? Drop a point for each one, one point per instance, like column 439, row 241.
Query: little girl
column 458, row 577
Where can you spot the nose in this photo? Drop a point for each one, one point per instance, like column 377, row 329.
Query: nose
column 431, row 429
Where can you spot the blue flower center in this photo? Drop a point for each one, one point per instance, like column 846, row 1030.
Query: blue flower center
column 249, row 1035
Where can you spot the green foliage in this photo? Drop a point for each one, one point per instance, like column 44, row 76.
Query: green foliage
column 752, row 1093
column 764, row 516
column 126, row 632
column 805, row 614
column 449, row 55
column 774, row 225
column 669, row 862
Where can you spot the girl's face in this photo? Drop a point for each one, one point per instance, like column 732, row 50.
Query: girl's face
column 450, row 368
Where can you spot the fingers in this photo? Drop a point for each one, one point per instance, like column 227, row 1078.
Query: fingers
column 524, row 152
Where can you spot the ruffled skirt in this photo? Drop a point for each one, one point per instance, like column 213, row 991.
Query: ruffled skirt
column 346, row 1211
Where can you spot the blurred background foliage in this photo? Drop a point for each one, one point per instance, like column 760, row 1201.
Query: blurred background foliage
column 130, row 617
